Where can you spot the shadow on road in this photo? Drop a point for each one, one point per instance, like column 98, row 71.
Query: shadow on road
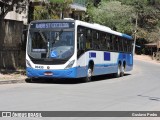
column 53, row 81
column 70, row 81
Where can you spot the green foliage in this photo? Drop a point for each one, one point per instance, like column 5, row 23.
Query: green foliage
column 112, row 14
column 57, row 1
column 52, row 10
column 122, row 15
column 40, row 13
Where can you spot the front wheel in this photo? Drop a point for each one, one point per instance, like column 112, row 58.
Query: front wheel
column 118, row 73
column 89, row 75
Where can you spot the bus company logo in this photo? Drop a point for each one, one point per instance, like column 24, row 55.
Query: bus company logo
column 21, row 114
column 6, row 114
column 48, row 67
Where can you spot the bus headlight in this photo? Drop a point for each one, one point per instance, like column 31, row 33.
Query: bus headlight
column 28, row 63
column 70, row 64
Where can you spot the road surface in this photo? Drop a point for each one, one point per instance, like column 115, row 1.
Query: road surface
column 138, row 90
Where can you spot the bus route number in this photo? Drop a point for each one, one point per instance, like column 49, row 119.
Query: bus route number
column 39, row 67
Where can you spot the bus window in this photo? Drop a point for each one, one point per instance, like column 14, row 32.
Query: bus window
column 69, row 40
column 38, row 41
column 120, row 44
column 95, row 40
column 116, row 43
column 111, row 43
column 88, row 39
column 107, row 42
column 125, row 45
column 102, row 39
column 122, row 39
column 131, row 46
column 80, row 43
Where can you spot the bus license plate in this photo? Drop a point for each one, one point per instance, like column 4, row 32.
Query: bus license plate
column 48, row 73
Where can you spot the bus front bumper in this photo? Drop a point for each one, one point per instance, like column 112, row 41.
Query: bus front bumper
column 40, row 73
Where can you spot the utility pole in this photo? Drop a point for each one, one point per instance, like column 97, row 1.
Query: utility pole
column 135, row 34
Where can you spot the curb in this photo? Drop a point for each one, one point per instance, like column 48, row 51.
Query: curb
column 12, row 81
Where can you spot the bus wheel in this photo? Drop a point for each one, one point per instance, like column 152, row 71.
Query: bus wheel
column 89, row 75
column 122, row 71
column 118, row 74
column 29, row 80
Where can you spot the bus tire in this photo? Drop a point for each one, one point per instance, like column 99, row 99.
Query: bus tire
column 122, row 70
column 89, row 74
column 118, row 73
column 28, row 80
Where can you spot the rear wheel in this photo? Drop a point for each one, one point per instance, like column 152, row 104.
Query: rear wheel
column 122, row 70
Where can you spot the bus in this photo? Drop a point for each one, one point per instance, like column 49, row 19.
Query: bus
column 76, row 49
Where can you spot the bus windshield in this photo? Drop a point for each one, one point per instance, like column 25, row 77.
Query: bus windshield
column 57, row 44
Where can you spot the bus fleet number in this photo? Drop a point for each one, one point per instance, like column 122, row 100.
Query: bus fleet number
column 39, row 67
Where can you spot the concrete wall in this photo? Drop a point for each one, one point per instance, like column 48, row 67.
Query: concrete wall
column 11, row 54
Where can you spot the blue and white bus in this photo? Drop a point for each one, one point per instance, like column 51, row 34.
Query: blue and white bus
column 75, row 49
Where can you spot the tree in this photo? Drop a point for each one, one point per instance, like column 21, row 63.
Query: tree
column 52, row 10
column 147, row 15
column 8, row 5
column 112, row 14
column 30, row 12
column 96, row 2
column 123, row 14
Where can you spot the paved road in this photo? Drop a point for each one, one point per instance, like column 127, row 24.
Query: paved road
column 138, row 90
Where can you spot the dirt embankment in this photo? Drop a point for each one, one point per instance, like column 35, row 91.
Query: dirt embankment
column 146, row 58
column 12, row 75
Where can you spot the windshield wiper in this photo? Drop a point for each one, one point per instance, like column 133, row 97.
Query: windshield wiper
column 43, row 38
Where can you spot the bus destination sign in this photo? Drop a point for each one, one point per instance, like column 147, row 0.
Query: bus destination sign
column 50, row 25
